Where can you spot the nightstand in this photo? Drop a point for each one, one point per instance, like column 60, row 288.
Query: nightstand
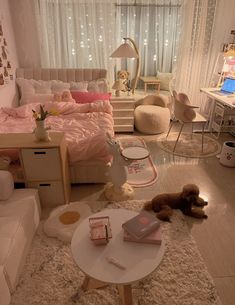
column 123, row 113
column 44, row 165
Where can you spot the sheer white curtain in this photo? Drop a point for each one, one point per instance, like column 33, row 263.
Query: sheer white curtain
column 154, row 26
column 76, row 33
column 206, row 25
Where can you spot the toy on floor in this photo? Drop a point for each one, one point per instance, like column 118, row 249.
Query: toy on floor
column 163, row 204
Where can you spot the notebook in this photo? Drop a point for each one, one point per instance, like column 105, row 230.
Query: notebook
column 228, row 87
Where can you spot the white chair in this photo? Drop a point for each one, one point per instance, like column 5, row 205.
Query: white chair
column 184, row 113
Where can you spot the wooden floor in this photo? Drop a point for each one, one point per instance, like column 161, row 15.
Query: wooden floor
column 215, row 237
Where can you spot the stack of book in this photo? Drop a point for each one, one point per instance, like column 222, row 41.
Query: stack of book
column 143, row 228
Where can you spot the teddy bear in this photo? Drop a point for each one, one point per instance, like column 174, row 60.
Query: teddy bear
column 186, row 200
column 123, row 76
column 65, row 96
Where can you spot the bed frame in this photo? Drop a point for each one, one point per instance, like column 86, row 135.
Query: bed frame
column 83, row 171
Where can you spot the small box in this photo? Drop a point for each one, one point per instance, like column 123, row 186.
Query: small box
column 100, row 230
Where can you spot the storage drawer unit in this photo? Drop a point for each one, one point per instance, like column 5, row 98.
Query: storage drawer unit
column 123, row 113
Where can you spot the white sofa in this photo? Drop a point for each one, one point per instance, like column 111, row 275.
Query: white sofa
column 19, row 218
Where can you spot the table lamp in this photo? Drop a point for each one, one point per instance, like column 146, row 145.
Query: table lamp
column 126, row 51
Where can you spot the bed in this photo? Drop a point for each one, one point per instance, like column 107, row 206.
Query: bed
column 84, row 125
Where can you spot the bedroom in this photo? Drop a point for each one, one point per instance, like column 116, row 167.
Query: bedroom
column 195, row 69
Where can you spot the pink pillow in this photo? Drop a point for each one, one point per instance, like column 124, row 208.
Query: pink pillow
column 89, row 97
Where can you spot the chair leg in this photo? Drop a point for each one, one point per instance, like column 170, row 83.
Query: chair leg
column 171, row 124
column 178, row 136
column 203, row 127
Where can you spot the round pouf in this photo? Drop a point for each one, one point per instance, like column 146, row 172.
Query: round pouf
column 151, row 119
column 227, row 156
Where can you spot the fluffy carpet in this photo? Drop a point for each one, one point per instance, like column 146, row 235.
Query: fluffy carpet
column 189, row 147
column 50, row 277
column 140, row 173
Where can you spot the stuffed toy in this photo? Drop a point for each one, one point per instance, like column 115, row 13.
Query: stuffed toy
column 64, row 97
column 186, row 200
column 123, row 76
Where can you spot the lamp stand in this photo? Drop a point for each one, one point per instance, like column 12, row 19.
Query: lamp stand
column 137, row 72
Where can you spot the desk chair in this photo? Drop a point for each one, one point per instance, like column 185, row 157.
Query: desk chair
column 184, row 112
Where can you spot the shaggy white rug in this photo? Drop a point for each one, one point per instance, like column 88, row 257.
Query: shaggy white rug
column 189, row 147
column 50, row 277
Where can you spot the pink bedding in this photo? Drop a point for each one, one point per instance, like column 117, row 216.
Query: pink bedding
column 84, row 125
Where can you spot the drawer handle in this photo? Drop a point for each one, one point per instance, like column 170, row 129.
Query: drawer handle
column 39, row 152
column 44, row 184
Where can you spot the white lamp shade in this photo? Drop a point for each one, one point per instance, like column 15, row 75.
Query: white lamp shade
column 125, row 51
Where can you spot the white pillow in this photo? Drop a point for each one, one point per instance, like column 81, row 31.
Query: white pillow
column 58, row 86
column 39, row 98
column 79, row 86
column 30, row 87
column 6, row 185
column 164, row 80
column 99, row 85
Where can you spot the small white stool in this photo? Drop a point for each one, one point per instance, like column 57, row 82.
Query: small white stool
column 151, row 119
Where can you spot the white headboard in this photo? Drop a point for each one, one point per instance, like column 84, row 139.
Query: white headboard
column 65, row 75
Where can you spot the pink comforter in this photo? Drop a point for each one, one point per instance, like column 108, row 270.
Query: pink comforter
column 84, row 125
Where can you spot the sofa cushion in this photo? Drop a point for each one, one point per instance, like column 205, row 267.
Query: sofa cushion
column 6, row 185
column 165, row 79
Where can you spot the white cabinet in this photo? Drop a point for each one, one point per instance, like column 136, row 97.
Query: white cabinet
column 123, row 113
column 44, row 165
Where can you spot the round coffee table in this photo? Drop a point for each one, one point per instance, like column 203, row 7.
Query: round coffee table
column 139, row 260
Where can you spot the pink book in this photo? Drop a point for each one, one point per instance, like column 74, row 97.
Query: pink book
column 141, row 225
column 153, row 238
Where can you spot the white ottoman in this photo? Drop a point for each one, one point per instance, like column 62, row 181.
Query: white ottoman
column 151, row 119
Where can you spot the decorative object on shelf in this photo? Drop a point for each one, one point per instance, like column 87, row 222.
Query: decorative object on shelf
column 126, row 51
column 118, row 86
column 41, row 132
column 123, row 75
column 100, row 230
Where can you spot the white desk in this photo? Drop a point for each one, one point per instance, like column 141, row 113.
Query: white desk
column 139, row 259
column 223, row 108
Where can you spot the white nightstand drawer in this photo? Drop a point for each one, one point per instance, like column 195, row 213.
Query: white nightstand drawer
column 123, row 128
column 51, row 193
column 123, row 121
column 123, row 113
column 41, row 164
column 123, row 104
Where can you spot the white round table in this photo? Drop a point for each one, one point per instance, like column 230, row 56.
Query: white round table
column 135, row 153
column 139, row 259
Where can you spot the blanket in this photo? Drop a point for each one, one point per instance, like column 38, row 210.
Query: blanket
column 85, row 126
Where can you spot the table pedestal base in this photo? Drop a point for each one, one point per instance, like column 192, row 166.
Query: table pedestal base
column 125, row 192
column 125, row 291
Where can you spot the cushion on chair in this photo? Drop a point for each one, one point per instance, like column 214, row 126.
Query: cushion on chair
column 6, row 185
column 152, row 119
column 165, row 79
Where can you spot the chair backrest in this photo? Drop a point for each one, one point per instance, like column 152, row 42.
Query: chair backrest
column 183, row 110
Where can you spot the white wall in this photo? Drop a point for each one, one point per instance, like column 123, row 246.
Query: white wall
column 8, row 93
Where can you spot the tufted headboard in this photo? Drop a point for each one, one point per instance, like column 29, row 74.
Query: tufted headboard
column 65, row 75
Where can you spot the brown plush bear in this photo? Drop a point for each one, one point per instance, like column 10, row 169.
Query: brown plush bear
column 123, row 76
column 163, row 204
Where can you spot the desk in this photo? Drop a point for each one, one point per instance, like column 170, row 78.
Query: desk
column 139, row 260
column 222, row 112
column 149, row 80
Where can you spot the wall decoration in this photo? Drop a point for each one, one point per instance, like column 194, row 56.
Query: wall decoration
column 6, row 74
